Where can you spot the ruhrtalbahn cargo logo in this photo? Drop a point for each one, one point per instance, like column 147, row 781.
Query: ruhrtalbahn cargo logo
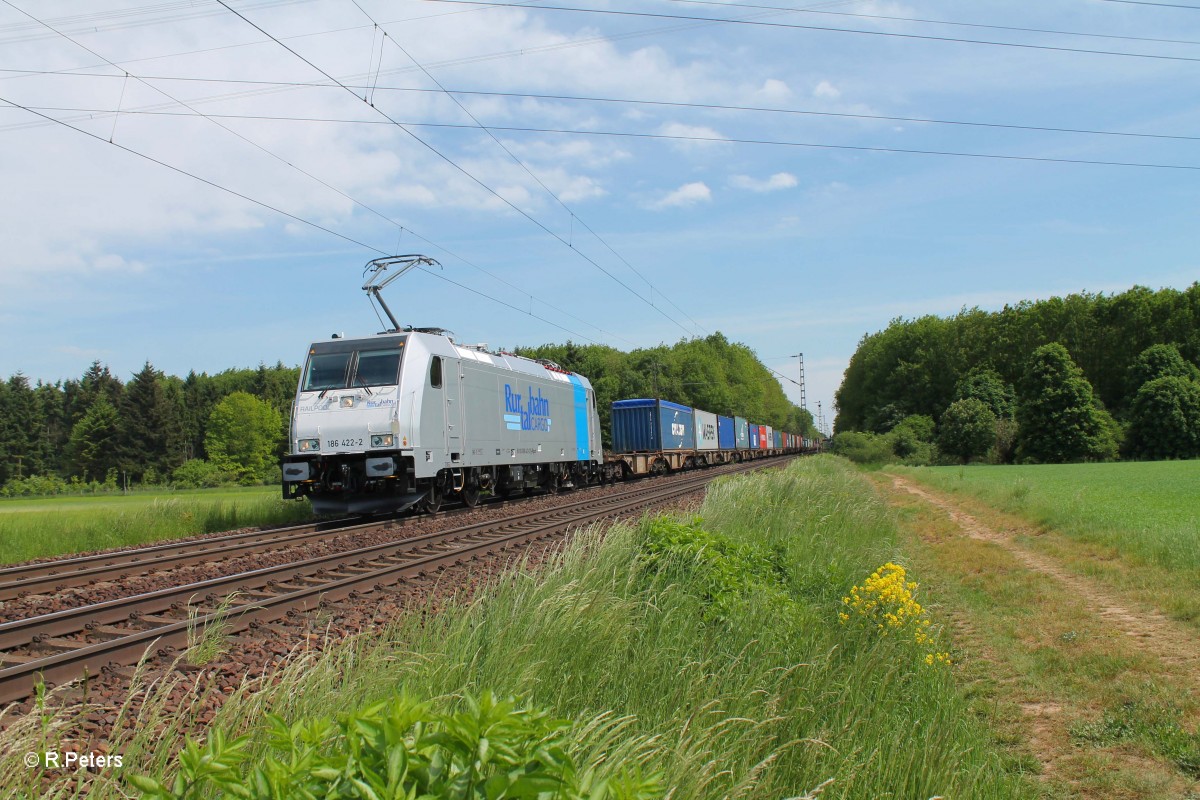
column 528, row 412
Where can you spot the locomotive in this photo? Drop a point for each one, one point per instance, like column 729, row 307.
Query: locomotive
column 386, row 422
column 409, row 417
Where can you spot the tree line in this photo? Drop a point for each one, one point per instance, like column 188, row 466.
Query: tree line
column 712, row 374
column 99, row 431
column 1085, row 377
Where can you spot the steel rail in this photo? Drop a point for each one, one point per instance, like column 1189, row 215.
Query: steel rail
column 312, row 583
column 29, row 631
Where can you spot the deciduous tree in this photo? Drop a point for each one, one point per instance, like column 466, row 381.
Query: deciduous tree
column 243, row 434
column 1165, row 419
column 967, row 429
column 1057, row 413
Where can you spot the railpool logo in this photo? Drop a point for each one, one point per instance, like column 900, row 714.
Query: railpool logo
column 528, row 412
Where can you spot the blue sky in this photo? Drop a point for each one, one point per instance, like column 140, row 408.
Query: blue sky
column 786, row 248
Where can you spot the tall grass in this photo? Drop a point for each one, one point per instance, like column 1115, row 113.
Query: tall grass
column 49, row 527
column 1150, row 510
column 761, row 695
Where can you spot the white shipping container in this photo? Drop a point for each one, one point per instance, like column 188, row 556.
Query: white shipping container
column 769, row 444
column 706, row 430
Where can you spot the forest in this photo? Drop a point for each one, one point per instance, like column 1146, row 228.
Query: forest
column 100, row 433
column 1082, row 377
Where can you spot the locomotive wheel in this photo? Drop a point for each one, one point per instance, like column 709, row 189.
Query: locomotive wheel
column 470, row 495
column 552, row 485
column 433, row 500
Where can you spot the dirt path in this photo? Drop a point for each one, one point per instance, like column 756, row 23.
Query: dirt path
column 1077, row 652
column 1172, row 643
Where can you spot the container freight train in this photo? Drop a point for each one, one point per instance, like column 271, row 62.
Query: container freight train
column 411, row 418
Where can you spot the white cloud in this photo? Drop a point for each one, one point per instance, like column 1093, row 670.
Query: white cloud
column 694, row 137
column 687, row 195
column 773, row 90
column 780, row 180
column 826, row 91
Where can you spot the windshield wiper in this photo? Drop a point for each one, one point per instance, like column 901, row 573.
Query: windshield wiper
column 358, row 379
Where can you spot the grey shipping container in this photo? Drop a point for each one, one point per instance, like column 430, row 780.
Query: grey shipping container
column 741, row 433
column 647, row 425
column 706, row 429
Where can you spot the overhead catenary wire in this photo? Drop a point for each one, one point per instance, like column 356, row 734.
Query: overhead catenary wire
column 824, row 28
column 573, row 215
column 288, row 214
column 700, row 138
column 584, row 99
column 457, row 166
column 302, row 171
column 949, row 23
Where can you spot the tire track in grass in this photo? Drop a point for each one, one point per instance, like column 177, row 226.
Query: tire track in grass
column 1061, row 685
column 1173, row 644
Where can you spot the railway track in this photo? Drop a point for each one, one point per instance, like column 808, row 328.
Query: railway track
column 63, row 646
column 54, row 576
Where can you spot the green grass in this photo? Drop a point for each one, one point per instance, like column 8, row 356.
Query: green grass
column 42, row 527
column 712, row 646
column 1150, row 510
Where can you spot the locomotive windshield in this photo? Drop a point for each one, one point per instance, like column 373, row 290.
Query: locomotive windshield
column 327, row 371
column 341, row 365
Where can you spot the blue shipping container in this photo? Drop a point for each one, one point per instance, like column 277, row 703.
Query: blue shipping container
column 725, row 437
column 754, row 443
column 778, row 439
column 647, row 425
column 741, row 433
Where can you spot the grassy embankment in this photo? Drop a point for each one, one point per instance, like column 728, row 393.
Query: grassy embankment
column 42, row 527
column 707, row 651
column 1077, row 660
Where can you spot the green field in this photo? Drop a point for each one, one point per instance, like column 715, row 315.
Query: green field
column 707, row 652
column 1149, row 510
column 42, row 527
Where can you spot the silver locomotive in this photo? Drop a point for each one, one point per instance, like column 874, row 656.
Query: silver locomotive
column 409, row 417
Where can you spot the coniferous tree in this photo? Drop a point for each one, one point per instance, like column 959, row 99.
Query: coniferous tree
column 96, row 381
column 93, row 440
column 144, row 424
column 51, row 438
column 20, row 422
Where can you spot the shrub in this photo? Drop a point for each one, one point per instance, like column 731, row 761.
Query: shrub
column 864, row 448
column 400, row 749
column 34, row 485
column 912, row 439
column 200, row 474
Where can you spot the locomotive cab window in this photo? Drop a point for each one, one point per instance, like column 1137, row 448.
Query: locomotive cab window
column 377, row 368
column 326, row 371
column 435, row 372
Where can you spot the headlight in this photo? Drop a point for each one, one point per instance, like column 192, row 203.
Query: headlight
column 309, row 445
column 382, row 440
